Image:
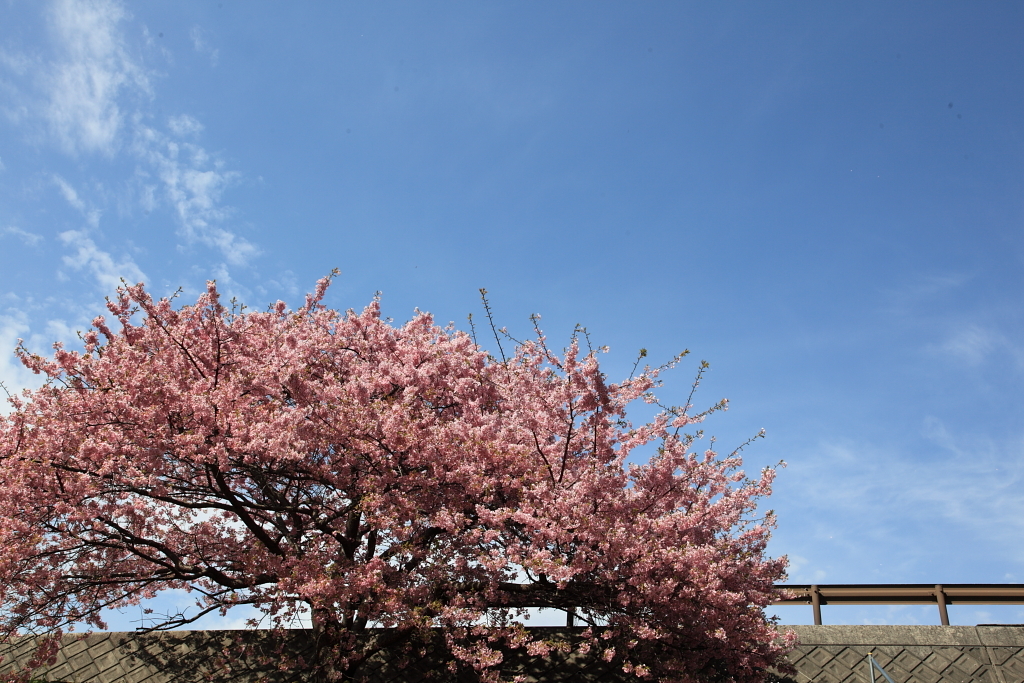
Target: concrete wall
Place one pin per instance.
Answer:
(827, 654)
(910, 654)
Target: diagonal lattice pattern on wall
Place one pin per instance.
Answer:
(827, 654)
(910, 654)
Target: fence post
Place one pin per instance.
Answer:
(940, 597)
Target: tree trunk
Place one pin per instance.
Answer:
(328, 633)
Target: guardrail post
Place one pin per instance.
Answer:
(816, 604)
(940, 597)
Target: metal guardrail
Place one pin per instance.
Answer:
(901, 594)
(817, 595)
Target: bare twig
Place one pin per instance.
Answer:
(490, 319)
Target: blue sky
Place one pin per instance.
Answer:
(822, 200)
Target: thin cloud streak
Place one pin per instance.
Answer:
(973, 344)
(30, 239)
(92, 216)
(192, 182)
(965, 485)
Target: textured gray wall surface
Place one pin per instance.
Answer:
(826, 654)
(910, 654)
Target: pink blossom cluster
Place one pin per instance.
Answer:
(389, 481)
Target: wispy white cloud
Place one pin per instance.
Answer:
(972, 344)
(107, 272)
(184, 126)
(31, 239)
(192, 182)
(967, 488)
(198, 37)
(91, 215)
(15, 62)
(969, 341)
(94, 69)
(94, 97)
(15, 104)
(285, 281)
(196, 34)
(934, 430)
(69, 193)
(922, 290)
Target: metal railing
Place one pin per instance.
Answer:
(817, 595)
(941, 595)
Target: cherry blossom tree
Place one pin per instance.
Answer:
(388, 482)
